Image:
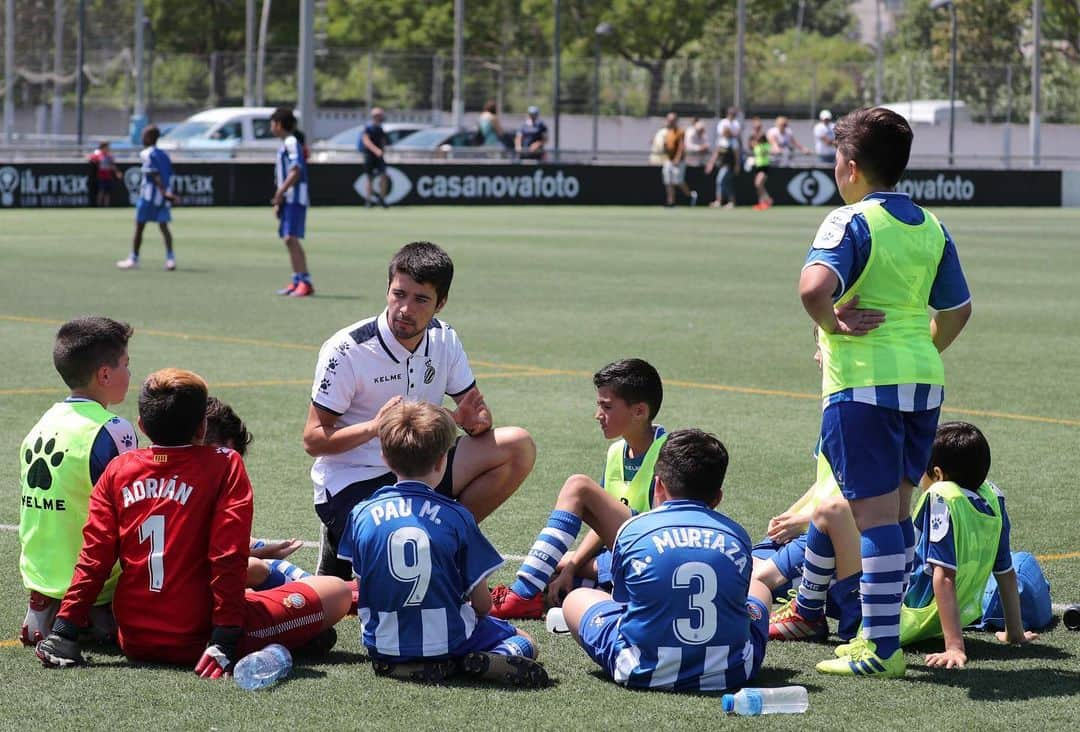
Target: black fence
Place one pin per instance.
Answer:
(52, 185)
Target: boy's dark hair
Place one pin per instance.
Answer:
(284, 116)
(414, 435)
(962, 453)
(150, 135)
(172, 405)
(84, 345)
(879, 140)
(692, 465)
(425, 263)
(224, 427)
(634, 381)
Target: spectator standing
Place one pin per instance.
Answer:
(532, 137)
(489, 129)
(697, 143)
(782, 141)
(105, 172)
(825, 138)
(674, 170)
(727, 158)
(373, 143)
(761, 149)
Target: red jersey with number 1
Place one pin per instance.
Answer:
(179, 520)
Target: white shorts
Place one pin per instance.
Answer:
(673, 173)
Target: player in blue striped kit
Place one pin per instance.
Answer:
(155, 198)
(290, 199)
(422, 566)
(684, 614)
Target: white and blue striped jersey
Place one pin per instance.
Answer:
(683, 572)
(843, 244)
(417, 555)
(155, 163)
(291, 155)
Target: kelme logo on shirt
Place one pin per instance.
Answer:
(42, 459)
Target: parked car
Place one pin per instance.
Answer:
(445, 142)
(346, 144)
(218, 132)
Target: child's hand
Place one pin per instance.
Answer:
(853, 320)
(277, 549)
(1028, 637)
(559, 586)
(949, 658)
(785, 527)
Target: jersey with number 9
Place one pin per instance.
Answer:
(179, 521)
(418, 556)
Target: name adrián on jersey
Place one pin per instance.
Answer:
(400, 507)
(683, 538)
(165, 490)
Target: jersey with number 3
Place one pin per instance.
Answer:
(418, 556)
(179, 521)
(683, 572)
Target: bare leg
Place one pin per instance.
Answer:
(297, 258)
(582, 496)
(257, 572)
(136, 243)
(488, 468)
(670, 192)
(167, 236)
(336, 597)
(833, 518)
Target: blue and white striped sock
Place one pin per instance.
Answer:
(908, 527)
(818, 568)
(559, 534)
(881, 586)
(281, 571)
(516, 645)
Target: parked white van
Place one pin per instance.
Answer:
(218, 132)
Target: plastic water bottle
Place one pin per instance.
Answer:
(263, 667)
(556, 623)
(752, 702)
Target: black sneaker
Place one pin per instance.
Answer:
(427, 672)
(510, 670)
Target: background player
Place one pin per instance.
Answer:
(628, 397)
(177, 515)
(403, 353)
(684, 614)
(290, 200)
(882, 376)
(105, 173)
(373, 144)
(61, 458)
(155, 197)
(423, 564)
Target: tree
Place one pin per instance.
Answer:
(648, 34)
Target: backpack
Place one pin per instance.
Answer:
(1035, 606)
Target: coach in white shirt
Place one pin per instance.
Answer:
(371, 365)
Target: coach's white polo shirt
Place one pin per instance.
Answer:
(360, 368)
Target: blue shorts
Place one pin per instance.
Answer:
(291, 223)
(601, 639)
(603, 568)
(147, 213)
(872, 449)
(788, 559)
(488, 633)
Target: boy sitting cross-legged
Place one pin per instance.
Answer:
(628, 397)
(684, 614)
(422, 565)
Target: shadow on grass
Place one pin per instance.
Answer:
(1004, 685)
(322, 296)
(767, 677)
(988, 648)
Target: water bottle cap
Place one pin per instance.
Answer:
(727, 703)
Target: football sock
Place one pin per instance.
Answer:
(561, 530)
(881, 585)
(909, 551)
(303, 277)
(134, 257)
(818, 568)
(515, 645)
(281, 571)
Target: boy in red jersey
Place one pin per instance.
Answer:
(178, 515)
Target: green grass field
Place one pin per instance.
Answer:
(543, 297)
